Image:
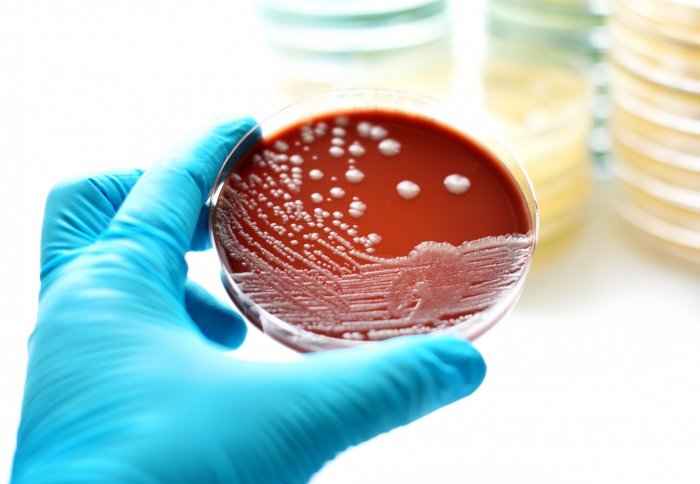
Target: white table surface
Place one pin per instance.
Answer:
(594, 378)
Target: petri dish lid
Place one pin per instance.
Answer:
(673, 20)
(654, 142)
(582, 7)
(652, 97)
(680, 197)
(660, 58)
(678, 241)
(338, 28)
(356, 10)
(576, 30)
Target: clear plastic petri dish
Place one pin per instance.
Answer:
(591, 7)
(572, 30)
(542, 108)
(652, 54)
(576, 30)
(360, 215)
(656, 102)
(675, 20)
(664, 211)
(651, 153)
(666, 172)
(665, 236)
(679, 205)
(655, 137)
(659, 197)
(316, 45)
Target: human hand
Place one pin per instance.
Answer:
(128, 376)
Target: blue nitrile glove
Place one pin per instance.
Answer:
(128, 379)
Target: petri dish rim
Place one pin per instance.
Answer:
(595, 8)
(666, 20)
(636, 83)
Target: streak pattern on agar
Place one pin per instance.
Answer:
(310, 269)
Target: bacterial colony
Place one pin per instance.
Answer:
(293, 219)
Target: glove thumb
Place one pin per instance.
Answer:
(349, 396)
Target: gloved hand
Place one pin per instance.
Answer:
(128, 377)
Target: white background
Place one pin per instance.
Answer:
(594, 378)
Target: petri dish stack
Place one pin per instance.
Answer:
(316, 45)
(542, 110)
(573, 29)
(655, 125)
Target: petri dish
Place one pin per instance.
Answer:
(592, 7)
(668, 215)
(360, 215)
(674, 62)
(543, 110)
(673, 20)
(574, 29)
(654, 136)
(538, 31)
(316, 45)
(659, 103)
(675, 168)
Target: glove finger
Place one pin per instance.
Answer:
(214, 318)
(77, 212)
(162, 211)
(201, 239)
(349, 396)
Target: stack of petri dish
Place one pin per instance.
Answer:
(655, 125)
(573, 29)
(316, 45)
(542, 110)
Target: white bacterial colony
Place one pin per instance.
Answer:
(356, 149)
(364, 128)
(377, 133)
(336, 151)
(337, 192)
(357, 209)
(374, 238)
(353, 175)
(407, 189)
(312, 266)
(457, 184)
(389, 147)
